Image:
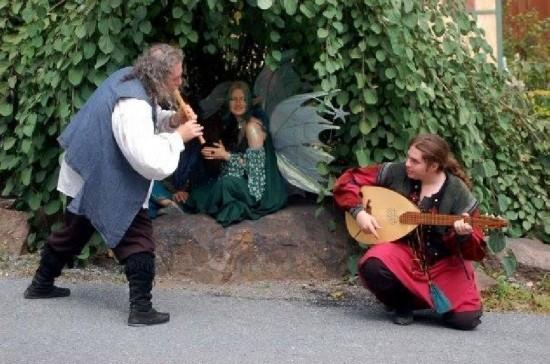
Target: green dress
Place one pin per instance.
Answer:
(249, 187)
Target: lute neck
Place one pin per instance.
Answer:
(422, 218)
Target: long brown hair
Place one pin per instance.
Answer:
(436, 150)
(243, 86)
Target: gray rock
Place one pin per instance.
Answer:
(289, 244)
(483, 280)
(13, 231)
(531, 254)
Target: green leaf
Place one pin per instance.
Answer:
(389, 154)
(362, 157)
(274, 36)
(75, 76)
(322, 33)
(89, 50)
(146, 27)
(52, 207)
(28, 129)
(370, 96)
(365, 127)
(463, 116)
(80, 31)
(105, 44)
(448, 47)
(503, 202)
(211, 49)
(85, 253)
(390, 73)
(322, 168)
(115, 24)
(277, 55)
(338, 26)
(8, 188)
(177, 12)
(103, 26)
(290, 6)
(360, 77)
(509, 263)
(9, 142)
(538, 202)
(511, 215)
(26, 146)
(307, 10)
(101, 60)
(6, 109)
(193, 36)
(26, 176)
(265, 4)
(497, 241)
(33, 200)
(376, 28)
(489, 168)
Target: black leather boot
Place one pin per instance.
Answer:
(51, 264)
(403, 316)
(140, 271)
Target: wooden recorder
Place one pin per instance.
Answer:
(182, 108)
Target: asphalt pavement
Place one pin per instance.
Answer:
(90, 327)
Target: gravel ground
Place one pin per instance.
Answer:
(325, 292)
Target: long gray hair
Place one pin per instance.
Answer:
(153, 68)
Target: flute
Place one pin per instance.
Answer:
(181, 105)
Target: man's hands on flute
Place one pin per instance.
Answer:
(188, 127)
(191, 129)
(184, 114)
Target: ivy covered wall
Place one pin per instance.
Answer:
(402, 67)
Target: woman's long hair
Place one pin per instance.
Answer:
(243, 86)
(436, 150)
(153, 68)
(231, 130)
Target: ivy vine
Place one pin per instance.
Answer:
(403, 67)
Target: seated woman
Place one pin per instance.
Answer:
(250, 185)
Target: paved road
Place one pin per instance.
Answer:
(90, 327)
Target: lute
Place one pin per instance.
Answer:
(398, 216)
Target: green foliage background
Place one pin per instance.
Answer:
(402, 66)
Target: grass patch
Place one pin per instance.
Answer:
(509, 295)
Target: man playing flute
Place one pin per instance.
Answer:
(112, 155)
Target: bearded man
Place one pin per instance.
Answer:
(112, 155)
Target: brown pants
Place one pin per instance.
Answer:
(72, 238)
